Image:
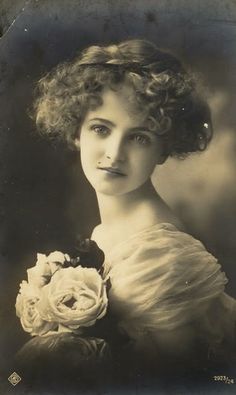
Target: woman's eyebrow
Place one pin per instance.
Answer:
(102, 120)
(142, 128)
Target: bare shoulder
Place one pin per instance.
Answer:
(100, 237)
(164, 214)
(95, 232)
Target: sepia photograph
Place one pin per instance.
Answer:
(118, 197)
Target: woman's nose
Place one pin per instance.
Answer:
(115, 150)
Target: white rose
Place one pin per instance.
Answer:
(56, 260)
(26, 309)
(40, 274)
(75, 297)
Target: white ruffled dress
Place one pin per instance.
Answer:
(164, 281)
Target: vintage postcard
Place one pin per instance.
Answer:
(118, 197)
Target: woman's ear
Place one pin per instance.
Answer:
(77, 143)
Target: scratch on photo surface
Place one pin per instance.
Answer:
(12, 23)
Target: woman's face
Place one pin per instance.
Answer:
(118, 152)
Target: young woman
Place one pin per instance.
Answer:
(126, 108)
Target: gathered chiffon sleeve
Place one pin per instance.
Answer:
(163, 279)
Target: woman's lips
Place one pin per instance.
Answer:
(112, 170)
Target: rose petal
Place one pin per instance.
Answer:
(85, 286)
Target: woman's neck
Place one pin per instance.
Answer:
(125, 206)
(123, 216)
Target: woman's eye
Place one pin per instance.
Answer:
(100, 130)
(140, 139)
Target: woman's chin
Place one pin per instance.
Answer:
(110, 188)
(109, 192)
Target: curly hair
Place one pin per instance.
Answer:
(160, 85)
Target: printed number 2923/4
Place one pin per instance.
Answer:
(224, 379)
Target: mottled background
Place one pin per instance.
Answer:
(45, 200)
